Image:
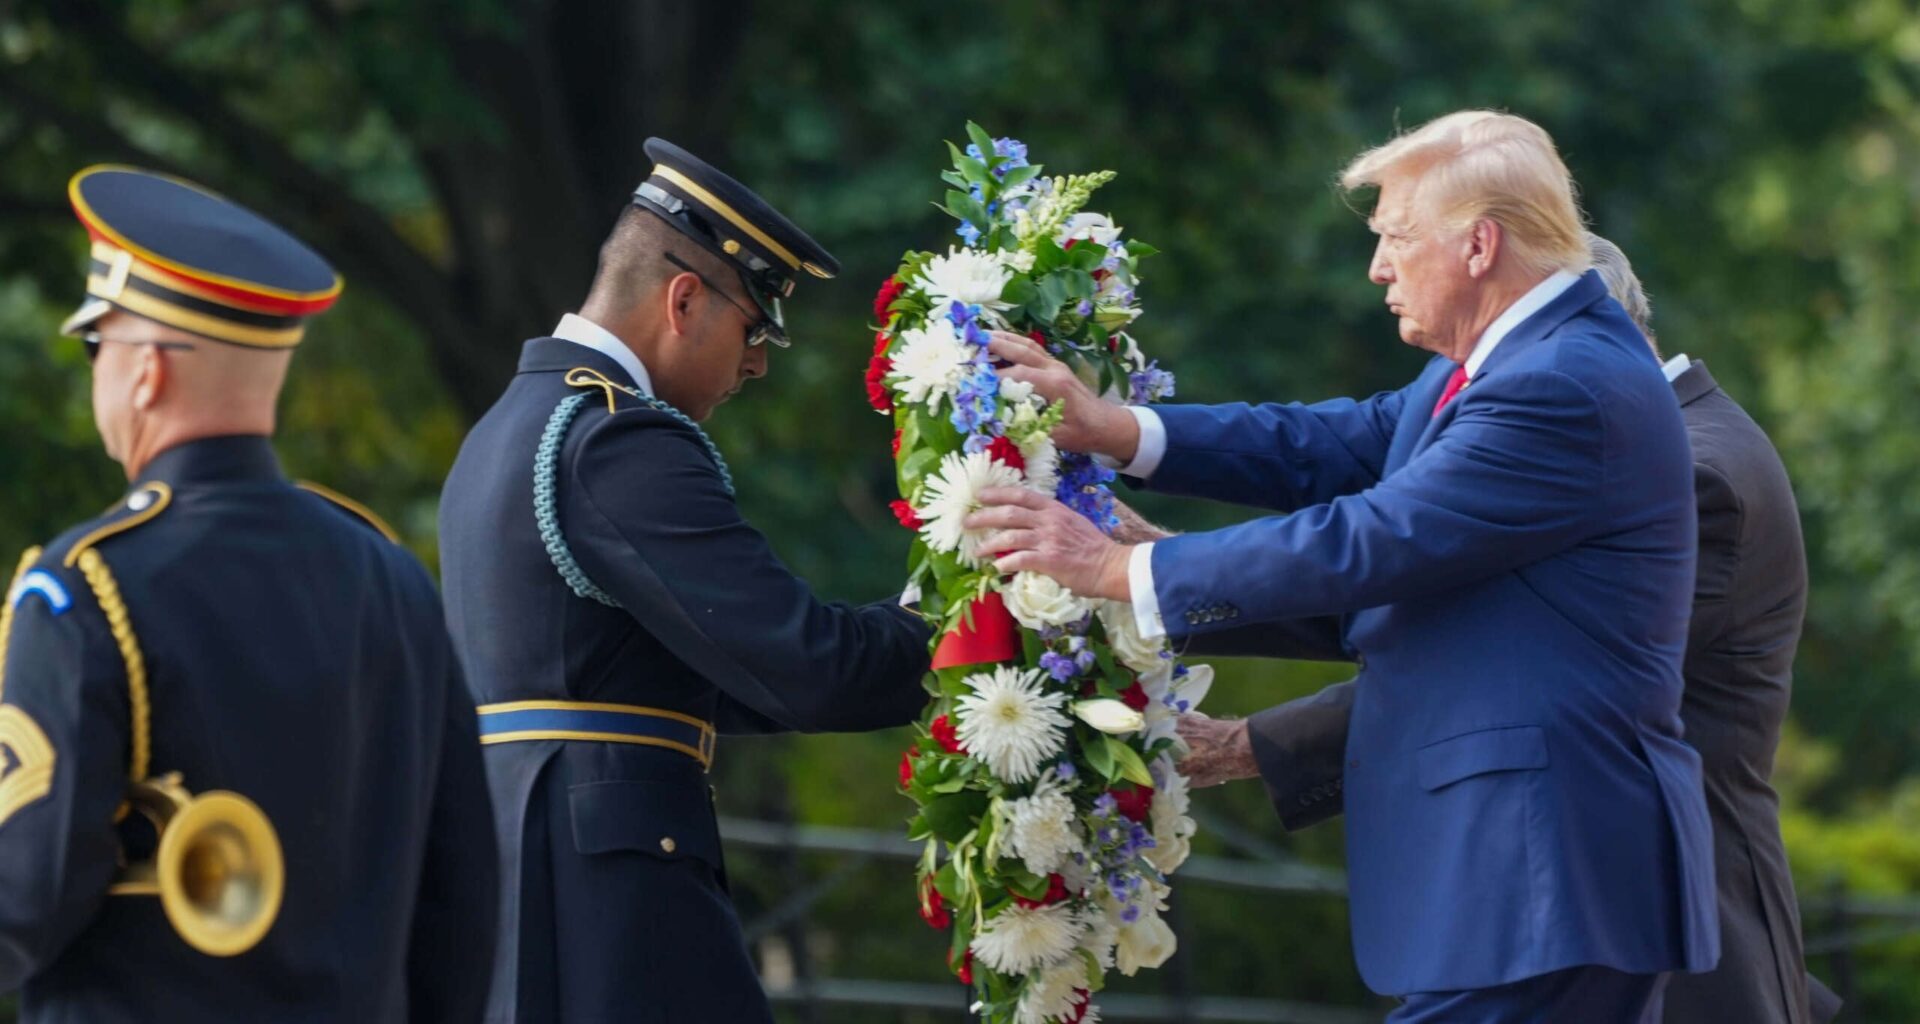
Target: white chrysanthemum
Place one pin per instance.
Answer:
(1020, 939)
(1037, 600)
(953, 494)
(1172, 829)
(1010, 723)
(1102, 931)
(930, 362)
(1123, 635)
(966, 276)
(1053, 994)
(1168, 697)
(1042, 829)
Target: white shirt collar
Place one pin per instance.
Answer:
(582, 331)
(1676, 366)
(1533, 302)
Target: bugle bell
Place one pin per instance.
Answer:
(218, 870)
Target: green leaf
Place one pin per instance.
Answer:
(1080, 284)
(980, 138)
(1020, 290)
(1020, 176)
(951, 817)
(1127, 760)
(915, 467)
(954, 178)
(1100, 758)
(1141, 250)
(1053, 295)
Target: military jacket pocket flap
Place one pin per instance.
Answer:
(1512, 748)
(668, 820)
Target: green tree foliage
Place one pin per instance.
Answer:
(459, 161)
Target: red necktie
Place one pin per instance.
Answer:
(1454, 384)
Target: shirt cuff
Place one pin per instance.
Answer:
(1152, 448)
(1146, 603)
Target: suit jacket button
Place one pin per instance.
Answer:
(667, 845)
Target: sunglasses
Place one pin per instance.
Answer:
(92, 340)
(762, 330)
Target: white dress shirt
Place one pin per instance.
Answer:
(1676, 366)
(582, 331)
(1153, 440)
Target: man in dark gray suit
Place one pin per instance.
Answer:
(1749, 597)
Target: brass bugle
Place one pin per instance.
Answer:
(218, 870)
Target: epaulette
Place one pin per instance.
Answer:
(357, 510)
(145, 503)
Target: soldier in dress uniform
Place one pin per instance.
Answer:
(239, 774)
(614, 612)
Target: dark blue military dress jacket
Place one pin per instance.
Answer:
(286, 651)
(613, 902)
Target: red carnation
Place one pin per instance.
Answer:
(1038, 338)
(933, 909)
(880, 343)
(877, 394)
(1056, 893)
(889, 291)
(1071, 242)
(896, 444)
(1083, 1001)
(1133, 801)
(906, 768)
(1004, 450)
(965, 973)
(946, 735)
(1134, 696)
(905, 513)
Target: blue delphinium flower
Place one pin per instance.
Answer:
(1149, 385)
(1083, 487)
(968, 233)
(1013, 149)
(1059, 666)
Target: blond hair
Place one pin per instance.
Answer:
(1483, 164)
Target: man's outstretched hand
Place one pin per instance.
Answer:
(1035, 532)
(1092, 424)
(1218, 750)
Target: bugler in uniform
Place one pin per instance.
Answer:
(249, 663)
(614, 612)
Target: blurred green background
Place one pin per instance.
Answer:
(459, 162)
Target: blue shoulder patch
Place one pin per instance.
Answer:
(44, 583)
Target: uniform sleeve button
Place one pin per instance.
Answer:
(667, 844)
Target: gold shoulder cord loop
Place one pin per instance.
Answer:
(6, 612)
(587, 377)
(106, 591)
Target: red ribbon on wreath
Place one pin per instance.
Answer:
(994, 636)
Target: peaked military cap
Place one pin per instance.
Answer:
(728, 219)
(175, 253)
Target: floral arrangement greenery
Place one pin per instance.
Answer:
(1043, 771)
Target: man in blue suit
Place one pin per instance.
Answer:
(1506, 546)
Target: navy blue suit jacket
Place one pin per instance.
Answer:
(1514, 576)
(613, 894)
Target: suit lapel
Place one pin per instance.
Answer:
(1693, 384)
(1416, 417)
(1529, 332)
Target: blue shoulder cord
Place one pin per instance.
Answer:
(546, 511)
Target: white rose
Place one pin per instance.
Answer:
(1109, 716)
(1172, 829)
(1147, 942)
(1037, 601)
(1097, 228)
(1123, 635)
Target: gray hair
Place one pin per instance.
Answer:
(1621, 283)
